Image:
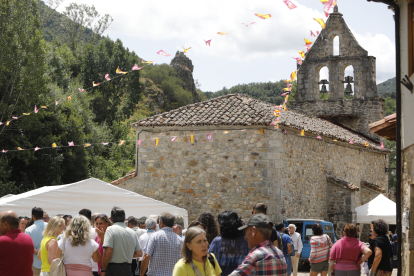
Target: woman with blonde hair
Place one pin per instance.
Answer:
(196, 261)
(78, 248)
(49, 244)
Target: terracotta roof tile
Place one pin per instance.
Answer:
(125, 177)
(342, 183)
(241, 110)
(372, 186)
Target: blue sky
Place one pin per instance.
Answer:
(261, 52)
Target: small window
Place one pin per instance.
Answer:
(328, 227)
(308, 232)
(335, 45)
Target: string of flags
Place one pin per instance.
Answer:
(80, 90)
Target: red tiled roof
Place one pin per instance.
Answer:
(342, 183)
(125, 177)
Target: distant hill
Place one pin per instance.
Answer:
(386, 87)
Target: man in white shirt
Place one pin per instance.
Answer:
(133, 224)
(297, 244)
(151, 225)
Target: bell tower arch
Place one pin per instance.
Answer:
(365, 107)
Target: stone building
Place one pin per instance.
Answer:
(357, 113)
(246, 161)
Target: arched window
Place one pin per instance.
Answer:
(335, 44)
(349, 72)
(323, 75)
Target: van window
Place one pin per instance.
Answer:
(308, 232)
(328, 227)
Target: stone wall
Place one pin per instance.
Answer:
(407, 204)
(355, 114)
(184, 70)
(234, 171)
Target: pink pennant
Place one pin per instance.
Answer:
(57, 102)
(299, 60)
(104, 144)
(107, 77)
(289, 85)
(319, 137)
(289, 4)
(284, 94)
(173, 139)
(81, 90)
(312, 34)
(13, 117)
(36, 149)
(139, 143)
(285, 131)
(247, 25)
(209, 136)
(36, 110)
(4, 151)
(317, 32)
(307, 47)
(351, 142)
(71, 144)
(1, 123)
(329, 7)
(135, 67)
(162, 53)
(208, 42)
(382, 145)
(243, 130)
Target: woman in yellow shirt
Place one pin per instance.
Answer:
(195, 261)
(48, 246)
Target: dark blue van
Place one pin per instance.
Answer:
(304, 228)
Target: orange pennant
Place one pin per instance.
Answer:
(302, 132)
(192, 140)
(157, 141)
(262, 130)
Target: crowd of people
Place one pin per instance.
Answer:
(96, 244)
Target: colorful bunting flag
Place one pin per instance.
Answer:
(302, 54)
(185, 50)
(302, 132)
(226, 131)
(307, 47)
(284, 94)
(44, 107)
(8, 123)
(351, 142)
(118, 71)
(192, 140)
(321, 22)
(209, 136)
(262, 131)
(71, 144)
(95, 84)
(382, 145)
(105, 144)
(81, 90)
(139, 143)
(121, 142)
(143, 61)
(289, 4)
(162, 53)
(208, 42)
(329, 7)
(26, 114)
(36, 149)
(366, 144)
(299, 60)
(54, 145)
(319, 137)
(87, 145)
(57, 102)
(287, 89)
(317, 32)
(15, 118)
(263, 16)
(293, 75)
(4, 151)
(107, 77)
(157, 141)
(289, 85)
(312, 34)
(69, 98)
(335, 140)
(243, 130)
(135, 67)
(285, 131)
(221, 33)
(247, 25)
(173, 139)
(19, 148)
(307, 42)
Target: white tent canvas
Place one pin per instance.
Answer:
(93, 194)
(378, 208)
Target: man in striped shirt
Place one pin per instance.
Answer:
(264, 258)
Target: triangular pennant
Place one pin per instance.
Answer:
(157, 141)
(139, 143)
(302, 132)
(192, 140)
(173, 139)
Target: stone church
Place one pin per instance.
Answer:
(223, 153)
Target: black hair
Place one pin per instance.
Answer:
(317, 229)
(212, 227)
(117, 214)
(260, 208)
(87, 213)
(133, 221)
(229, 221)
(380, 227)
(279, 226)
(167, 219)
(37, 212)
(286, 231)
(196, 223)
(12, 220)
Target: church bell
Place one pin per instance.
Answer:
(348, 90)
(323, 90)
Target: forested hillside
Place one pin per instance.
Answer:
(45, 57)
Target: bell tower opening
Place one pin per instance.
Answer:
(348, 81)
(323, 77)
(335, 44)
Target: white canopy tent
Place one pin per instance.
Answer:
(93, 194)
(378, 208)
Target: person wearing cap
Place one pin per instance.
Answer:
(394, 246)
(275, 238)
(264, 258)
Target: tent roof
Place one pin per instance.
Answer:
(378, 208)
(93, 194)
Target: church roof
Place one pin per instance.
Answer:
(242, 110)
